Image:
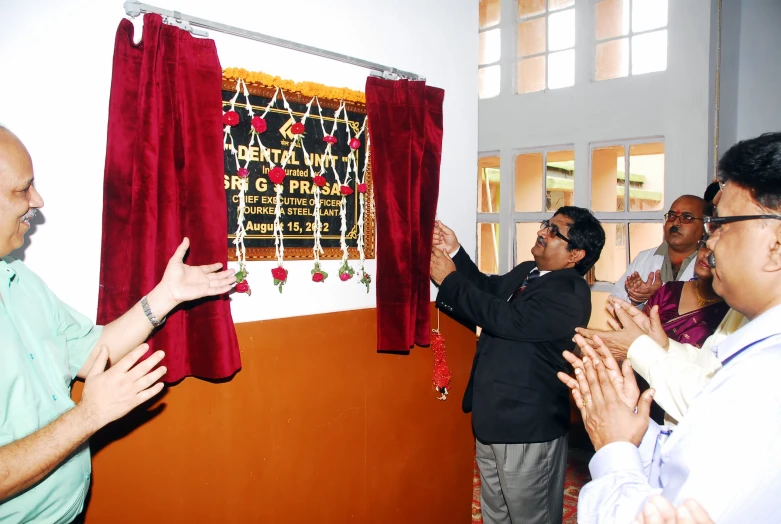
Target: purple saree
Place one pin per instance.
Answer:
(692, 327)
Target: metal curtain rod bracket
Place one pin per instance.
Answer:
(134, 8)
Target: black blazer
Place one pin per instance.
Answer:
(513, 392)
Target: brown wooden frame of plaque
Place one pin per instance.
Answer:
(301, 253)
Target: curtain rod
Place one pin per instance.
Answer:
(185, 22)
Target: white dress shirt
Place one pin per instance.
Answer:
(648, 261)
(725, 453)
(679, 373)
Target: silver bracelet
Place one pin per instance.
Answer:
(148, 312)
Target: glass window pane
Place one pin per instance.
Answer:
(612, 262)
(525, 237)
(648, 14)
(488, 184)
(599, 314)
(559, 179)
(488, 248)
(490, 47)
(649, 52)
(530, 8)
(561, 30)
(642, 236)
(489, 13)
(488, 81)
(531, 75)
(612, 59)
(612, 18)
(531, 37)
(555, 5)
(528, 183)
(607, 191)
(646, 177)
(561, 69)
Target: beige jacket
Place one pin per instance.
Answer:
(682, 371)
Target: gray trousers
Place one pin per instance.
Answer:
(522, 483)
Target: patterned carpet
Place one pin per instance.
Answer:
(577, 475)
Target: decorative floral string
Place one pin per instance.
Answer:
(277, 175)
(318, 181)
(258, 124)
(346, 272)
(360, 184)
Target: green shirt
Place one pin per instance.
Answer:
(44, 344)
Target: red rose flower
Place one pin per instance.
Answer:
(231, 118)
(330, 139)
(258, 124)
(344, 277)
(319, 181)
(297, 128)
(243, 172)
(362, 188)
(276, 175)
(279, 273)
(242, 287)
(346, 190)
(355, 143)
(318, 277)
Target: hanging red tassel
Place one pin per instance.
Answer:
(442, 374)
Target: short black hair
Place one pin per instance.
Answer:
(711, 191)
(586, 233)
(755, 165)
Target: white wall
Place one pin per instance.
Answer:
(53, 53)
(759, 102)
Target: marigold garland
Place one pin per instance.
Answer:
(307, 89)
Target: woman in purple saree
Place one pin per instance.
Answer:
(690, 311)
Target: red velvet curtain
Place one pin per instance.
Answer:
(162, 182)
(405, 123)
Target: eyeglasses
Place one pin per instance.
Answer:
(702, 243)
(686, 218)
(711, 224)
(553, 230)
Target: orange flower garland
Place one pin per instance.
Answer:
(308, 89)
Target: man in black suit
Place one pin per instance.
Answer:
(520, 412)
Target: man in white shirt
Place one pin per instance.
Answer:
(725, 453)
(672, 259)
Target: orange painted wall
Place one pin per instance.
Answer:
(316, 427)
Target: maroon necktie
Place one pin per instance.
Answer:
(529, 278)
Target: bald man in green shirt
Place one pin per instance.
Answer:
(44, 345)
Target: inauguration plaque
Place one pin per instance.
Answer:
(297, 206)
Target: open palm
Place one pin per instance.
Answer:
(622, 377)
(185, 282)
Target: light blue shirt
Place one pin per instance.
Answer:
(725, 453)
(44, 343)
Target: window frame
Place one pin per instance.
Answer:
(626, 216)
(629, 36)
(517, 59)
(498, 62)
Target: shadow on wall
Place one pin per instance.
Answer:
(37, 219)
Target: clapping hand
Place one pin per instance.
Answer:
(640, 291)
(111, 393)
(607, 399)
